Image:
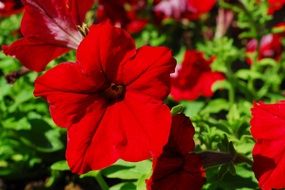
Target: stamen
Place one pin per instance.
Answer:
(83, 29)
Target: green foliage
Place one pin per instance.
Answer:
(136, 173)
(28, 137)
(224, 52)
(252, 17)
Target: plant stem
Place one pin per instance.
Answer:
(242, 159)
(102, 183)
(211, 158)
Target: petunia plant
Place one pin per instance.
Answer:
(142, 95)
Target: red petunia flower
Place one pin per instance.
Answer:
(111, 100)
(123, 13)
(9, 7)
(195, 77)
(189, 9)
(270, 47)
(275, 5)
(268, 130)
(177, 168)
(50, 28)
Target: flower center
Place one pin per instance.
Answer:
(115, 92)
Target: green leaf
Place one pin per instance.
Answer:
(178, 109)
(127, 171)
(219, 85)
(141, 183)
(124, 186)
(60, 166)
(90, 174)
(192, 108)
(215, 106)
(246, 74)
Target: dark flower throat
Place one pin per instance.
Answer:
(115, 92)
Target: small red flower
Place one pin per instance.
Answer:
(190, 9)
(275, 5)
(198, 7)
(270, 47)
(9, 7)
(268, 130)
(50, 28)
(123, 13)
(177, 168)
(111, 100)
(195, 77)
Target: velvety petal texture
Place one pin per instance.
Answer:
(194, 78)
(49, 28)
(177, 168)
(9, 7)
(105, 43)
(111, 100)
(268, 130)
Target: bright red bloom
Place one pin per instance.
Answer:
(268, 130)
(190, 9)
(270, 47)
(111, 100)
(123, 13)
(275, 5)
(195, 77)
(9, 7)
(177, 168)
(50, 28)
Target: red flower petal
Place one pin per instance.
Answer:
(268, 129)
(51, 22)
(103, 49)
(93, 142)
(78, 9)
(275, 5)
(176, 168)
(9, 7)
(182, 133)
(69, 93)
(132, 138)
(147, 126)
(42, 53)
(201, 6)
(123, 13)
(193, 179)
(46, 25)
(194, 78)
(148, 71)
(136, 26)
